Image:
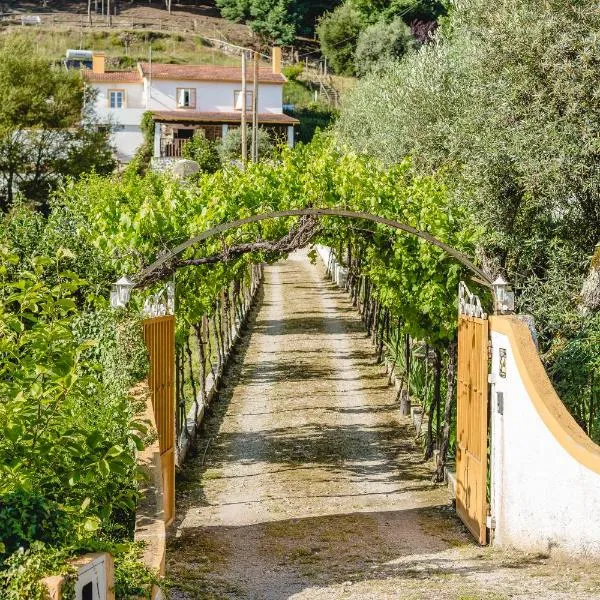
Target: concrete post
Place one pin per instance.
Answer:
(157, 140)
(290, 136)
(224, 129)
(405, 403)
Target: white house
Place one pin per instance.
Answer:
(181, 99)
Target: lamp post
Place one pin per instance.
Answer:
(504, 297)
(121, 292)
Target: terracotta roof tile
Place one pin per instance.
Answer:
(192, 116)
(207, 73)
(109, 76)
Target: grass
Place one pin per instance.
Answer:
(124, 48)
(297, 93)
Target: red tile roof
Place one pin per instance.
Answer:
(192, 116)
(207, 73)
(110, 76)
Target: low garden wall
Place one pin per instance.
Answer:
(149, 518)
(545, 472)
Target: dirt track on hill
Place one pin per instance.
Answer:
(307, 484)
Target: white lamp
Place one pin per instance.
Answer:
(504, 297)
(121, 292)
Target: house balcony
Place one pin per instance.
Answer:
(173, 128)
(172, 147)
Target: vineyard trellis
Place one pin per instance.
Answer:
(166, 264)
(217, 340)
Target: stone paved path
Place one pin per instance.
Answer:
(307, 484)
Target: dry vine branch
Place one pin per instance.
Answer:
(297, 237)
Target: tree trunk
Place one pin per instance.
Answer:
(438, 476)
(188, 350)
(199, 329)
(180, 394)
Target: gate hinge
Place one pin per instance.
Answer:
(491, 378)
(490, 522)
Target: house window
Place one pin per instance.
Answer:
(116, 98)
(237, 100)
(186, 98)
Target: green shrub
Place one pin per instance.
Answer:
(230, 147)
(26, 517)
(292, 72)
(144, 153)
(21, 574)
(64, 435)
(313, 118)
(338, 33)
(297, 94)
(203, 151)
(408, 10)
(381, 42)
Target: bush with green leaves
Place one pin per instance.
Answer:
(24, 569)
(272, 21)
(47, 127)
(277, 21)
(313, 118)
(292, 72)
(203, 151)
(230, 147)
(408, 10)
(338, 33)
(515, 143)
(144, 153)
(64, 435)
(68, 431)
(381, 42)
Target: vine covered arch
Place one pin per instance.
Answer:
(165, 264)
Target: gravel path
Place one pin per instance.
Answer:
(307, 484)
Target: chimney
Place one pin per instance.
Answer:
(276, 60)
(98, 65)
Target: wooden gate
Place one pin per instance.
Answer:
(159, 334)
(472, 425)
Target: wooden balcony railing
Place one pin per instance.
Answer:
(171, 148)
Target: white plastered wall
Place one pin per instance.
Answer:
(211, 96)
(543, 497)
(126, 135)
(214, 96)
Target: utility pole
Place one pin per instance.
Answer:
(108, 13)
(244, 116)
(149, 95)
(255, 111)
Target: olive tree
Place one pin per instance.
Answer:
(381, 42)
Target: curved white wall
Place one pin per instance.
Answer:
(545, 471)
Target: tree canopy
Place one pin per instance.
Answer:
(504, 104)
(45, 133)
(276, 21)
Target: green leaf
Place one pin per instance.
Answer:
(115, 451)
(104, 467)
